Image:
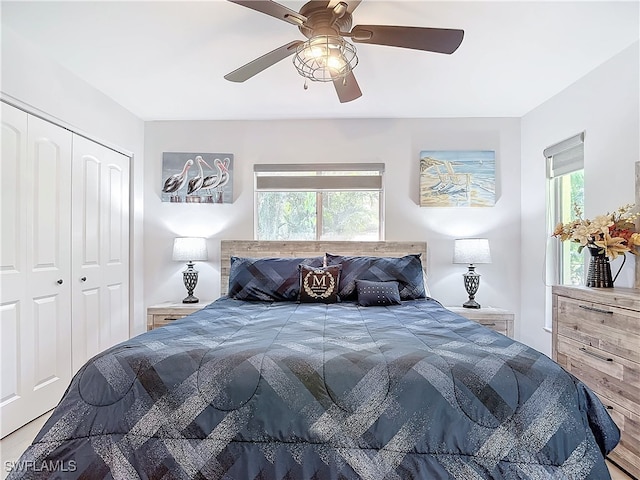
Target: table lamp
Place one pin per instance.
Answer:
(471, 251)
(190, 249)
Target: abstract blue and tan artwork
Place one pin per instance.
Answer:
(197, 177)
(457, 178)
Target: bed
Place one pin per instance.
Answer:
(355, 374)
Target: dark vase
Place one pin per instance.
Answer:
(599, 273)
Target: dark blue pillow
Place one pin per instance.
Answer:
(377, 293)
(267, 279)
(407, 271)
(319, 284)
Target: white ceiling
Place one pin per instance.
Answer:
(166, 60)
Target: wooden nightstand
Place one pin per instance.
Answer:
(165, 313)
(496, 319)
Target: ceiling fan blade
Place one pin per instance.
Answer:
(347, 88)
(274, 9)
(439, 40)
(254, 67)
(351, 4)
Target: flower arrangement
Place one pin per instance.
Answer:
(614, 233)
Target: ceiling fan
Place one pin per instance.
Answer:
(326, 55)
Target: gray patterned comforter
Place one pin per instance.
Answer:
(283, 390)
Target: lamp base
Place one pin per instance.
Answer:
(471, 303)
(471, 284)
(190, 278)
(190, 299)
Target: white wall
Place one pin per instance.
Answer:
(395, 142)
(604, 103)
(44, 86)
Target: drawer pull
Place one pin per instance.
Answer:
(488, 324)
(599, 357)
(594, 309)
(609, 407)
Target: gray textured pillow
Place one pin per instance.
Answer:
(377, 293)
(407, 271)
(267, 279)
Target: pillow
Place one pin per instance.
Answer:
(407, 271)
(319, 284)
(267, 279)
(377, 293)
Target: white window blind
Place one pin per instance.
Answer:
(566, 156)
(318, 177)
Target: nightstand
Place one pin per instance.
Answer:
(496, 319)
(164, 313)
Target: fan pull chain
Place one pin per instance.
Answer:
(306, 87)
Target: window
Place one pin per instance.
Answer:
(319, 201)
(565, 198)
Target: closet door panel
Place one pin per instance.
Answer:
(35, 311)
(9, 353)
(13, 261)
(12, 206)
(90, 185)
(118, 305)
(86, 307)
(117, 250)
(46, 352)
(12, 255)
(101, 257)
(47, 345)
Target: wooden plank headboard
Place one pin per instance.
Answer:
(274, 248)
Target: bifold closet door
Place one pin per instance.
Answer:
(100, 256)
(35, 309)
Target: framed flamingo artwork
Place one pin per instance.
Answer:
(457, 178)
(197, 177)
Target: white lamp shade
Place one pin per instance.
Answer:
(190, 249)
(471, 250)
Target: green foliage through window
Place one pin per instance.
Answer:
(571, 195)
(343, 215)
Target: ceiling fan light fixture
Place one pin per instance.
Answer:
(324, 58)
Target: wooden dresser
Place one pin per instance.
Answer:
(596, 337)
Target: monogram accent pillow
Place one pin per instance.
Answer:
(319, 284)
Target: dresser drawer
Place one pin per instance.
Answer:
(157, 321)
(605, 327)
(165, 313)
(500, 326)
(627, 452)
(607, 374)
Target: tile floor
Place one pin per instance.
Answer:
(12, 446)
